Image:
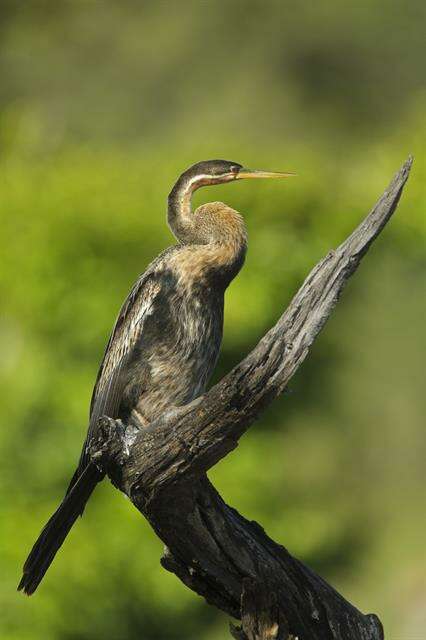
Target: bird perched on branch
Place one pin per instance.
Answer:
(166, 339)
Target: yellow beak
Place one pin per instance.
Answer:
(255, 173)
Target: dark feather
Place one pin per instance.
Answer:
(126, 333)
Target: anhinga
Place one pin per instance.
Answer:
(166, 339)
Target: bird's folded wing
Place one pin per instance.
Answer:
(126, 333)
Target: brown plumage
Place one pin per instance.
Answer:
(166, 339)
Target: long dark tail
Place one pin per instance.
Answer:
(57, 529)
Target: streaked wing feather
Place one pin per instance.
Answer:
(126, 332)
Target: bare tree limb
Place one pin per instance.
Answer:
(210, 547)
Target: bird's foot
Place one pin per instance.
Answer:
(137, 420)
(173, 414)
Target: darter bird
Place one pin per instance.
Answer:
(166, 339)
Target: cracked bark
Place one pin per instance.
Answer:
(215, 551)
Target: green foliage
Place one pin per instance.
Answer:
(335, 469)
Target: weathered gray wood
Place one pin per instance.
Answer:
(210, 546)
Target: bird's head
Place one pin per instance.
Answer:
(209, 172)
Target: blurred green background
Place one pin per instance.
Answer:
(102, 105)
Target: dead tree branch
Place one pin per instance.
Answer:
(210, 546)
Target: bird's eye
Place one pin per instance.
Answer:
(234, 168)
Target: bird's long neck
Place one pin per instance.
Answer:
(179, 213)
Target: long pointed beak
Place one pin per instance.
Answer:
(256, 173)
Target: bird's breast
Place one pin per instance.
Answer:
(178, 348)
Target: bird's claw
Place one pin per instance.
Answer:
(172, 414)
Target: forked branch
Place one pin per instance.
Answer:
(210, 547)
